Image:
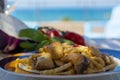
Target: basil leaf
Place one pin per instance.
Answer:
(33, 34)
(27, 45)
(43, 43)
(63, 40)
(68, 41)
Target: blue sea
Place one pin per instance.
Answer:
(74, 14)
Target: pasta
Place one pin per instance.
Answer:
(51, 71)
(65, 59)
(91, 70)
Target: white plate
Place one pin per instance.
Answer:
(112, 75)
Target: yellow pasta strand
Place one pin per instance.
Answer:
(50, 72)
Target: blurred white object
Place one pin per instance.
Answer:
(11, 25)
(112, 29)
(92, 26)
(10, 8)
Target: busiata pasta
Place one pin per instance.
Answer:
(65, 59)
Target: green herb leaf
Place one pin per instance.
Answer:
(63, 40)
(33, 34)
(43, 43)
(27, 45)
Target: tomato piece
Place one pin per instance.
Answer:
(53, 33)
(42, 31)
(76, 38)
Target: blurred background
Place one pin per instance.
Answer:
(93, 18)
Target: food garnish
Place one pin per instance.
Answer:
(32, 39)
(45, 35)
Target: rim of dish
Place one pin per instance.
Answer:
(68, 76)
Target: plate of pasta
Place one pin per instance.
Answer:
(64, 61)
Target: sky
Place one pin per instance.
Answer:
(65, 3)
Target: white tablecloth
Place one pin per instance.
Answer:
(113, 44)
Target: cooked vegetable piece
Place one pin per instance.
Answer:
(44, 62)
(55, 49)
(79, 61)
(94, 51)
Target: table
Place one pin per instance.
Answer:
(113, 44)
